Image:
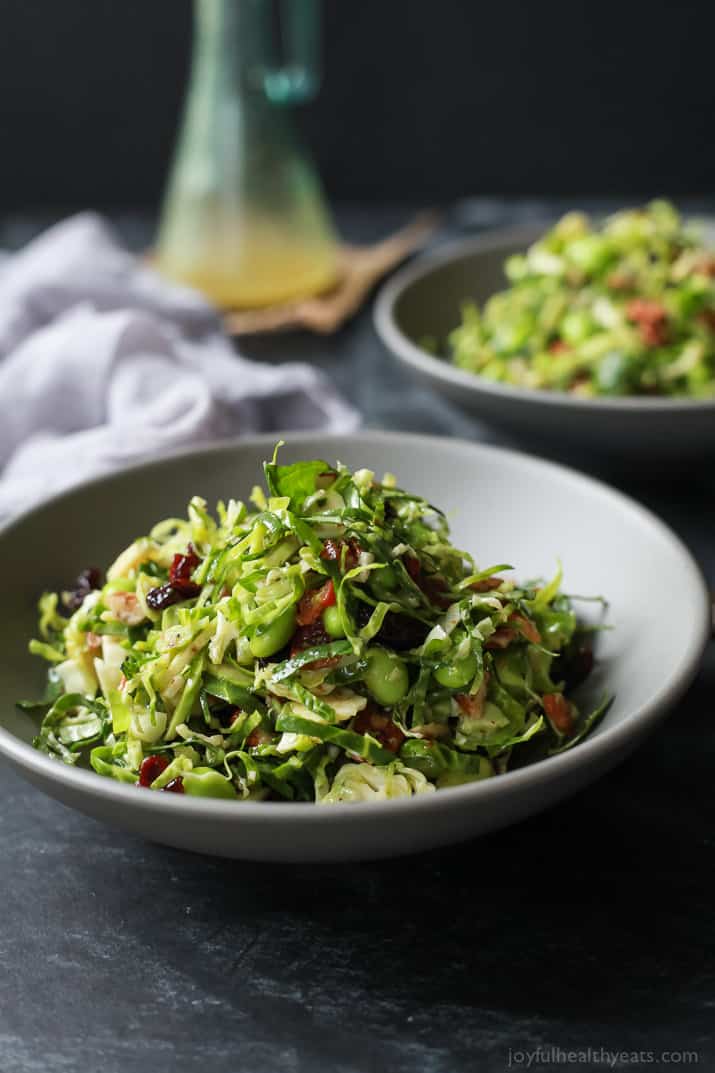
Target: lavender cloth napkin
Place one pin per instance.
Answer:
(103, 363)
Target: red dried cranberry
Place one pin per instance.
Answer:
(179, 586)
(89, 580)
(151, 768)
(163, 596)
(401, 632)
(412, 566)
(181, 570)
(308, 637)
(333, 552)
(380, 727)
(176, 786)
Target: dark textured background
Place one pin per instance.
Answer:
(422, 99)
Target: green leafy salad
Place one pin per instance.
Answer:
(327, 644)
(627, 308)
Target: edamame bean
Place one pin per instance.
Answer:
(386, 676)
(383, 581)
(331, 622)
(270, 637)
(458, 674)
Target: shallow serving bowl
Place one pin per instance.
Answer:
(423, 301)
(503, 506)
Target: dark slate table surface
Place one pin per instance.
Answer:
(588, 929)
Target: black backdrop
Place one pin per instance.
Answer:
(422, 99)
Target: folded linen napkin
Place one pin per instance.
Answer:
(104, 363)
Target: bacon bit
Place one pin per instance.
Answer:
(176, 786)
(93, 641)
(526, 628)
(501, 638)
(151, 768)
(234, 716)
(381, 728)
(558, 711)
(619, 281)
(651, 318)
(312, 604)
(473, 704)
(558, 346)
(125, 607)
(486, 584)
(430, 731)
(705, 265)
(258, 736)
(333, 552)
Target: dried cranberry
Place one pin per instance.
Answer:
(163, 596)
(401, 632)
(151, 768)
(181, 570)
(380, 727)
(87, 582)
(176, 786)
(179, 586)
(333, 552)
(308, 637)
(412, 566)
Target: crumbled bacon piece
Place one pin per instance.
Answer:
(558, 710)
(486, 584)
(258, 736)
(558, 346)
(501, 638)
(472, 704)
(651, 318)
(526, 628)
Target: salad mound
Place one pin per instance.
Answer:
(627, 308)
(329, 644)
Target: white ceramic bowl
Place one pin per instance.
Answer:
(424, 299)
(504, 507)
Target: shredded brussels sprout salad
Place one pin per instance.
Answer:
(625, 308)
(328, 644)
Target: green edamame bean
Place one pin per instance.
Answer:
(205, 782)
(270, 637)
(458, 674)
(386, 676)
(383, 581)
(331, 622)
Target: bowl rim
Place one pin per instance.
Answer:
(609, 741)
(436, 368)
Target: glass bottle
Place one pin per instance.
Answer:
(244, 218)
